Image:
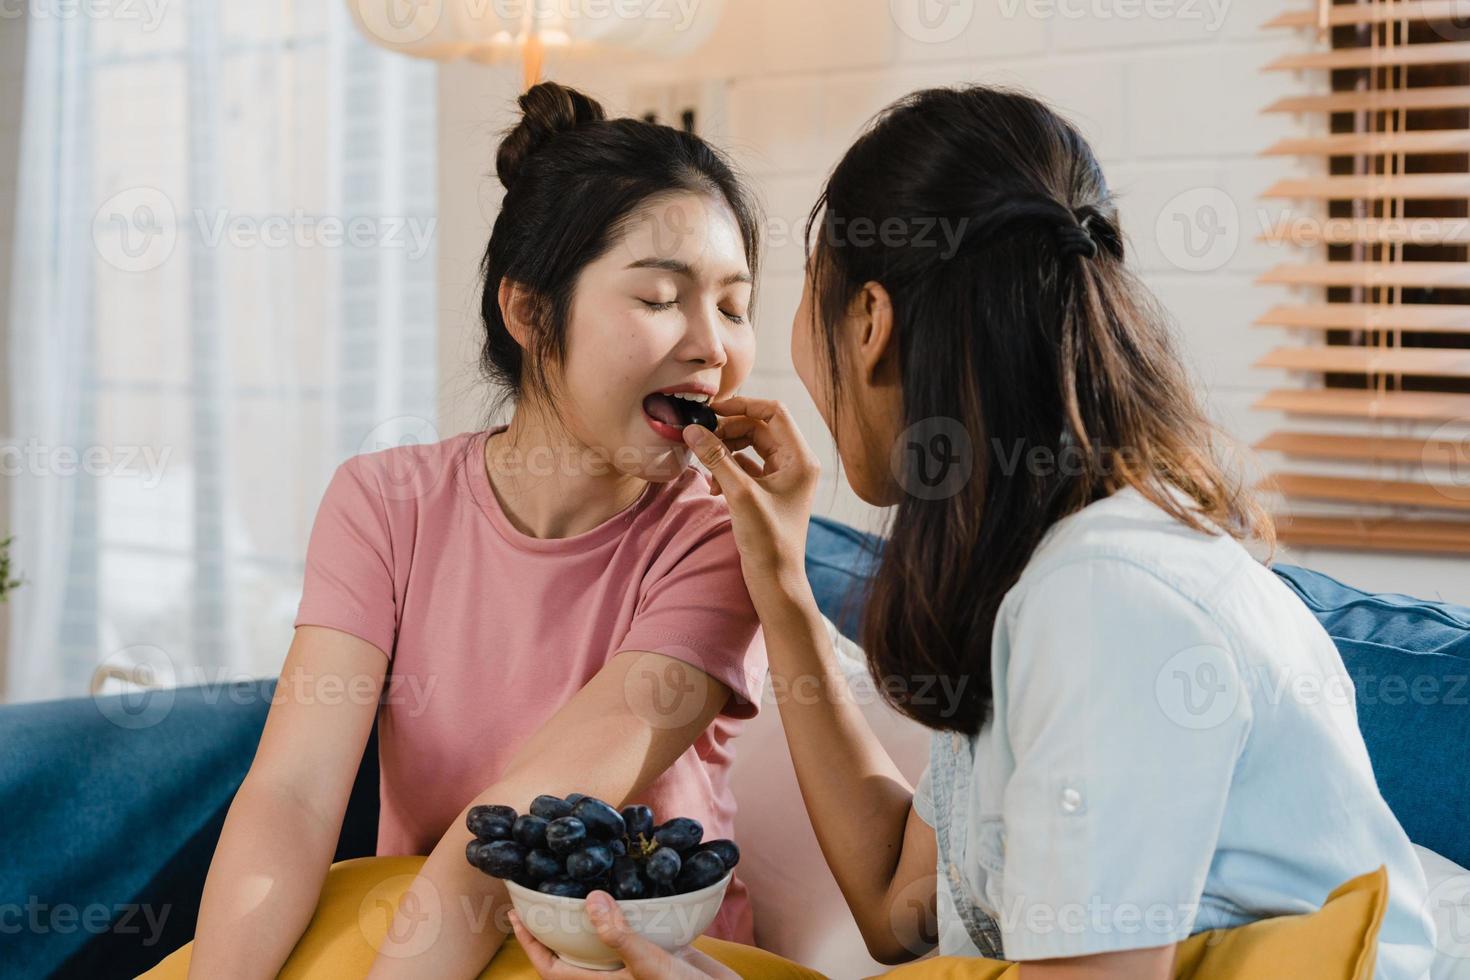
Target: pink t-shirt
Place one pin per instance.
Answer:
(489, 631)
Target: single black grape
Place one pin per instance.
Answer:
(472, 849)
(501, 858)
(727, 850)
(490, 821)
(590, 862)
(541, 864)
(619, 846)
(565, 835)
(601, 820)
(697, 413)
(529, 830)
(627, 883)
(550, 808)
(680, 833)
(574, 798)
(639, 821)
(700, 871)
(564, 886)
(663, 865)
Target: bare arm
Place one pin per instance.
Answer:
(281, 832)
(881, 852)
(625, 727)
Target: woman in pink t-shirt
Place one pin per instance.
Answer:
(551, 606)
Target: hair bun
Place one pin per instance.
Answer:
(547, 109)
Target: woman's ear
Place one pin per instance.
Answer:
(518, 310)
(877, 352)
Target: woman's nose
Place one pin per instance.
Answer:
(704, 340)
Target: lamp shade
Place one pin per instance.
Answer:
(498, 30)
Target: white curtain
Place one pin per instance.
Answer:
(223, 286)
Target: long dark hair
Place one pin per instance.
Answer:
(1019, 328)
(572, 178)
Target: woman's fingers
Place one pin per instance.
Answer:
(750, 466)
(551, 967)
(767, 410)
(765, 422)
(764, 409)
(717, 458)
(643, 959)
(543, 959)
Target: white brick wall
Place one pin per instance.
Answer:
(1169, 93)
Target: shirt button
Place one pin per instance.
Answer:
(1071, 800)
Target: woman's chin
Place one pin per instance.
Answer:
(666, 464)
(875, 493)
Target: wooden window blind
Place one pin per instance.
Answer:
(1373, 452)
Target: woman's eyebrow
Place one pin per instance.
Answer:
(684, 269)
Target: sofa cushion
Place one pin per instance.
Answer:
(1386, 619)
(1337, 942)
(839, 562)
(352, 921)
(1410, 664)
(113, 806)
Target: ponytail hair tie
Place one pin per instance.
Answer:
(1075, 238)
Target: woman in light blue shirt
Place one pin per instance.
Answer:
(1139, 732)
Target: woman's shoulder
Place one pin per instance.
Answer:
(1131, 565)
(684, 514)
(1136, 539)
(405, 471)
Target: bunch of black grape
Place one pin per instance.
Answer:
(574, 846)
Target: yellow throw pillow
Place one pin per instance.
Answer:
(351, 921)
(1339, 941)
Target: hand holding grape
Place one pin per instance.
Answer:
(770, 500)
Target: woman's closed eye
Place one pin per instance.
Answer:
(658, 307)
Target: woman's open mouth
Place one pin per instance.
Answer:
(667, 414)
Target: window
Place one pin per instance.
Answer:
(1377, 455)
(225, 286)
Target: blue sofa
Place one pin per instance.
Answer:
(112, 806)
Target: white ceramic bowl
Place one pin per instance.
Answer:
(562, 924)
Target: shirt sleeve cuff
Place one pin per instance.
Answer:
(380, 635)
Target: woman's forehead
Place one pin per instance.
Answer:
(685, 230)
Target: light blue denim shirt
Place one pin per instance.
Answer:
(1174, 747)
